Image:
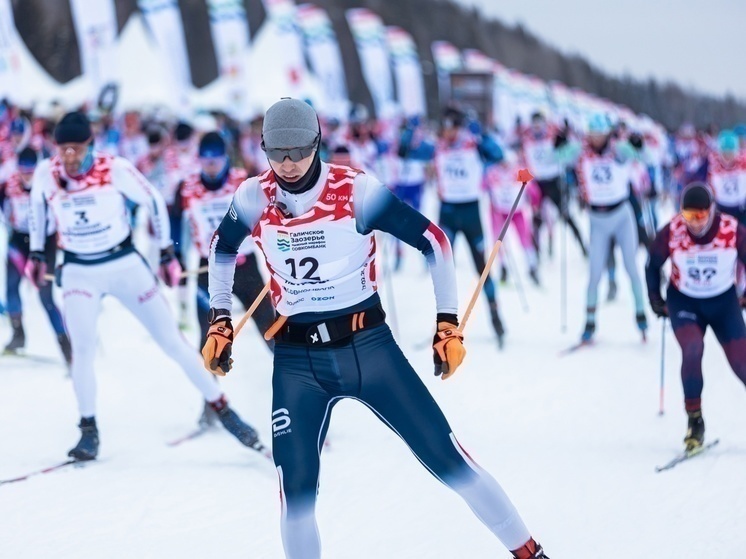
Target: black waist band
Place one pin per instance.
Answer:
(606, 209)
(122, 249)
(333, 329)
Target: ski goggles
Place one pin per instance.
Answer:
(695, 215)
(295, 154)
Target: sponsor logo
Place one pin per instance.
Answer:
(281, 422)
(283, 241)
(232, 213)
(327, 298)
(149, 294)
(291, 303)
(305, 240)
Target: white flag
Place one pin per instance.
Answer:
(370, 38)
(322, 49)
(410, 87)
(163, 18)
(230, 35)
(96, 29)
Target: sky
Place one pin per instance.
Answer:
(696, 43)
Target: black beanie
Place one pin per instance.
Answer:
(212, 145)
(73, 128)
(183, 131)
(27, 157)
(696, 196)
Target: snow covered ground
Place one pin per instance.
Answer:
(573, 440)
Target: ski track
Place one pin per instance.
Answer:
(574, 441)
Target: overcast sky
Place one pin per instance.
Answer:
(698, 43)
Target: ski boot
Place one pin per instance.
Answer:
(497, 324)
(236, 426)
(534, 275)
(87, 447)
(642, 324)
(503, 275)
(695, 432)
(18, 340)
(590, 330)
(530, 550)
(66, 348)
(611, 295)
(209, 417)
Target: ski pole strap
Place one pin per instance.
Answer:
(332, 330)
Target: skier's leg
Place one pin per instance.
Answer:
(689, 329)
(45, 292)
(14, 271)
(301, 410)
(472, 228)
(726, 320)
(395, 393)
(626, 238)
(551, 189)
(82, 290)
(601, 229)
(136, 287)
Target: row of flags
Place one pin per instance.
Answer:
(295, 53)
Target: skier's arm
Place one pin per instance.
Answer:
(134, 186)
(741, 243)
(41, 184)
(659, 253)
(489, 150)
(177, 210)
(423, 151)
(243, 214)
(376, 208)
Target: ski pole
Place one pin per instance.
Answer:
(663, 366)
(251, 309)
(524, 177)
(564, 210)
(518, 281)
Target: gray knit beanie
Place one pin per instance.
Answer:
(290, 123)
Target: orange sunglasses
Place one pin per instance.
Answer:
(695, 215)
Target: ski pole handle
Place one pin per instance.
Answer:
(524, 177)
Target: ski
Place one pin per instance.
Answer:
(201, 430)
(573, 348)
(686, 455)
(31, 357)
(198, 432)
(56, 467)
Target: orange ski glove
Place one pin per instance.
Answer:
(217, 349)
(448, 349)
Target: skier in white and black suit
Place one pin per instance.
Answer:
(86, 192)
(315, 225)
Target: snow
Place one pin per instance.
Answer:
(573, 440)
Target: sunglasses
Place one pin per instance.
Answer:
(695, 215)
(295, 154)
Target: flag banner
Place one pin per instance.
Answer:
(231, 36)
(370, 39)
(410, 86)
(96, 29)
(163, 19)
(447, 58)
(286, 44)
(325, 59)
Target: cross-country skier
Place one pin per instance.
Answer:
(314, 223)
(15, 196)
(85, 191)
(604, 168)
(726, 174)
(539, 143)
(459, 156)
(204, 199)
(704, 246)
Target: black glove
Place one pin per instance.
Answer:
(560, 140)
(659, 307)
(36, 268)
(170, 267)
